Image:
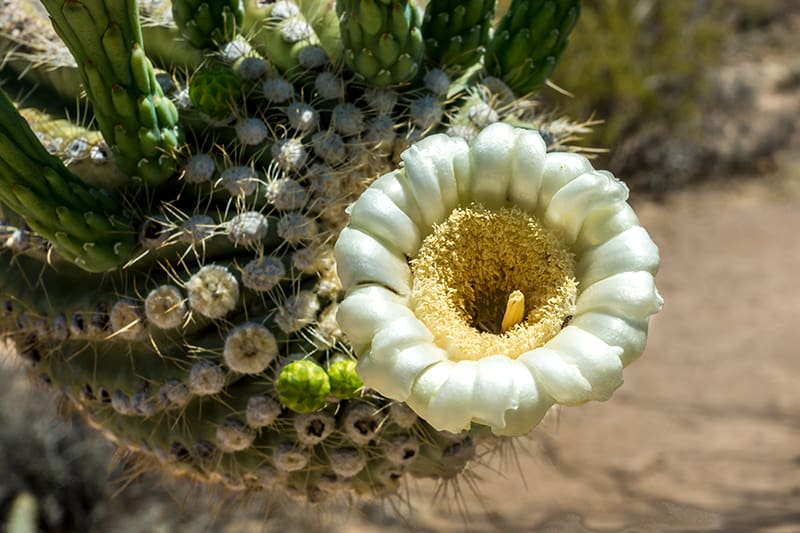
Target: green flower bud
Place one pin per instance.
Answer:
(215, 91)
(345, 383)
(303, 386)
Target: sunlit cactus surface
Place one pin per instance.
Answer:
(173, 180)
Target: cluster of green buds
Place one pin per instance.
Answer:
(172, 273)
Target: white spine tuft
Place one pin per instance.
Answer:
(213, 291)
(248, 228)
(251, 131)
(165, 307)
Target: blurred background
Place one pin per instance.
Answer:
(699, 102)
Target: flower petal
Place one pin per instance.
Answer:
(399, 334)
(451, 408)
(462, 166)
(576, 200)
(562, 380)
(375, 213)
(390, 185)
(395, 378)
(367, 309)
(402, 349)
(630, 335)
(491, 167)
(527, 168)
(597, 361)
(361, 259)
(630, 295)
(427, 385)
(431, 159)
(495, 391)
(630, 251)
(603, 224)
(559, 169)
(533, 403)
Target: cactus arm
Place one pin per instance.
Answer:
(456, 33)
(529, 40)
(326, 25)
(139, 123)
(382, 40)
(279, 34)
(208, 23)
(83, 150)
(84, 224)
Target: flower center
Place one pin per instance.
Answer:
(492, 282)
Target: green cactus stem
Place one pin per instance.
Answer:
(206, 23)
(529, 40)
(140, 124)
(193, 320)
(85, 224)
(280, 32)
(456, 33)
(382, 40)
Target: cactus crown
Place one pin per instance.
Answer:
(171, 273)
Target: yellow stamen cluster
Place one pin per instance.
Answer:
(492, 282)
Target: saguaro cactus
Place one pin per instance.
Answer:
(173, 275)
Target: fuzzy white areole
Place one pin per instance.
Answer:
(543, 235)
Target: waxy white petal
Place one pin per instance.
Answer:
(377, 215)
(630, 335)
(366, 309)
(527, 169)
(576, 200)
(398, 334)
(431, 160)
(491, 166)
(404, 347)
(462, 167)
(427, 385)
(390, 185)
(494, 391)
(451, 408)
(597, 361)
(559, 169)
(630, 295)
(629, 251)
(562, 380)
(532, 403)
(394, 377)
(361, 259)
(603, 224)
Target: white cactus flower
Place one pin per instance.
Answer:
(487, 282)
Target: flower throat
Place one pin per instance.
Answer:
(488, 282)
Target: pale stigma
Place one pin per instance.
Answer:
(515, 310)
